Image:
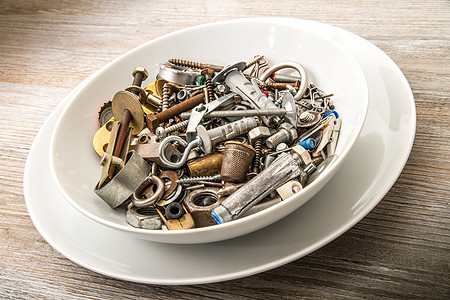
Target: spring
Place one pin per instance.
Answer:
(257, 160)
(165, 97)
(210, 89)
(306, 116)
(186, 63)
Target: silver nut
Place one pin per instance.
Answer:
(144, 217)
(259, 132)
(303, 154)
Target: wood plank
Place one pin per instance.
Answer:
(400, 250)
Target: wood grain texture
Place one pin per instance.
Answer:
(400, 250)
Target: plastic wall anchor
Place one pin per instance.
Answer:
(308, 144)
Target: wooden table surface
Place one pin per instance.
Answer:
(399, 250)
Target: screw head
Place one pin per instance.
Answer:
(208, 73)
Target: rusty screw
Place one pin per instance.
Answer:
(153, 120)
(194, 64)
(209, 74)
(281, 86)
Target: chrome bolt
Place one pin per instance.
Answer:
(286, 134)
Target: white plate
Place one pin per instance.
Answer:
(372, 167)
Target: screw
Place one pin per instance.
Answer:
(286, 134)
(194, 64)
(209, 74)
(163, 132)
(280, 86)
(153, 120)
(192, 180)
(255, 60)
(276, 85)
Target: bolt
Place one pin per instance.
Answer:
(121, 137)
(285, 78)
(193, 180)
(241, 113)
(286, 134)
(281, 147)
(194, 64)
(163, 132)
(153, 120)
(117, 161)
(139, 74)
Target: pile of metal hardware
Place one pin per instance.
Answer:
(206, 144)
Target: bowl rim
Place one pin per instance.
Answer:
(326, 175)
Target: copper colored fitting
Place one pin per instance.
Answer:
(206, 166)
(200, 202)
(281, 86)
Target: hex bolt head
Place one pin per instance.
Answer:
(286, 134)
(142, 71)
(208, 73)
(260, 132)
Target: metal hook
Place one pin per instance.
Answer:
(188, 147)
(160, 189)
(293, 65)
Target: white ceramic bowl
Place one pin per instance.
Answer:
(75, 165)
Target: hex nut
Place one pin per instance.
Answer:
(144, 217)
(140, 70)
(259, 132)
(200, 203)
(303, 154)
